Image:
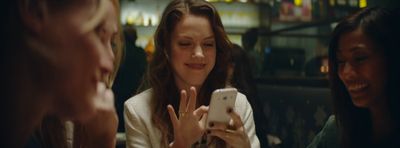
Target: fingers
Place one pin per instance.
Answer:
(172, 116)
(188, 104)
(183, 102)
(101, 86)
(192, 100)
(104, 100)
(109, 100)
(200, 111)
(237, 122)
(217, 126)
(203, 121)
(229, 136)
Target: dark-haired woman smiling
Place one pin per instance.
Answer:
(364, 75)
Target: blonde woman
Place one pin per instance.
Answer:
(58, 57)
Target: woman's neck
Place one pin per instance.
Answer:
(382, 123)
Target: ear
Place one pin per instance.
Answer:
(33, 13)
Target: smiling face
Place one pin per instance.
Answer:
(80, 39)
(193, 51)
(362, 68)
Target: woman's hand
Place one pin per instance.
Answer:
(233, 134)
(100, 131)
(189, 127)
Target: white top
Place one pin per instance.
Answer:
(142, 133)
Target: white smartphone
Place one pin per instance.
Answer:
(221, 100)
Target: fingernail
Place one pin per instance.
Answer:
(211, 124)
(229, 110)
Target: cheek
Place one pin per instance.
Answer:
(92, 49)
(211, 57)
(339, 74)
(177, 58)
(378, 77)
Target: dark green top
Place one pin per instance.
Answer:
(328, 137)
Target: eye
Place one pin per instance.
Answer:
(209, 45)
(340, 61)
(99, 29)
(184, 43)
(113, 45)
(360, 59)
(101, 34)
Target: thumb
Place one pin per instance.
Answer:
(203, 120)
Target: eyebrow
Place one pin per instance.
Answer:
(206, 38)
(210, 37)
(97, 17)
(355, 48)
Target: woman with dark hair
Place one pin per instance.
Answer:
(364, 74)
(190, 62)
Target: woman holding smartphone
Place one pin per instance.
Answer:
(190, 62)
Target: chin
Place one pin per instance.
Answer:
(84, 115)
(196, 83)
(83, 111)
(361, 102)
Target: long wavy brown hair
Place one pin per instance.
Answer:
(159, 76)
(379, 25)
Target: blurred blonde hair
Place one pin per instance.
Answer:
(52, 132)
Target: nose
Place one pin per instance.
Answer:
(347, 71)
(198, 52)
(107, 60)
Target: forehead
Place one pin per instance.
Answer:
(193, 26)
(102, 10)
(354, 41)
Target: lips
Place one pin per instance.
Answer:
(357, 86)
(196, 66)
(96, 78)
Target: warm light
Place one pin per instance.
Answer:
(362, 3)
(324, 66)
(332, 2)
(298, 2)
(146, 20)
(130, 20)
(324, 69)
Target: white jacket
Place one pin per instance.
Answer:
(142, 133)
